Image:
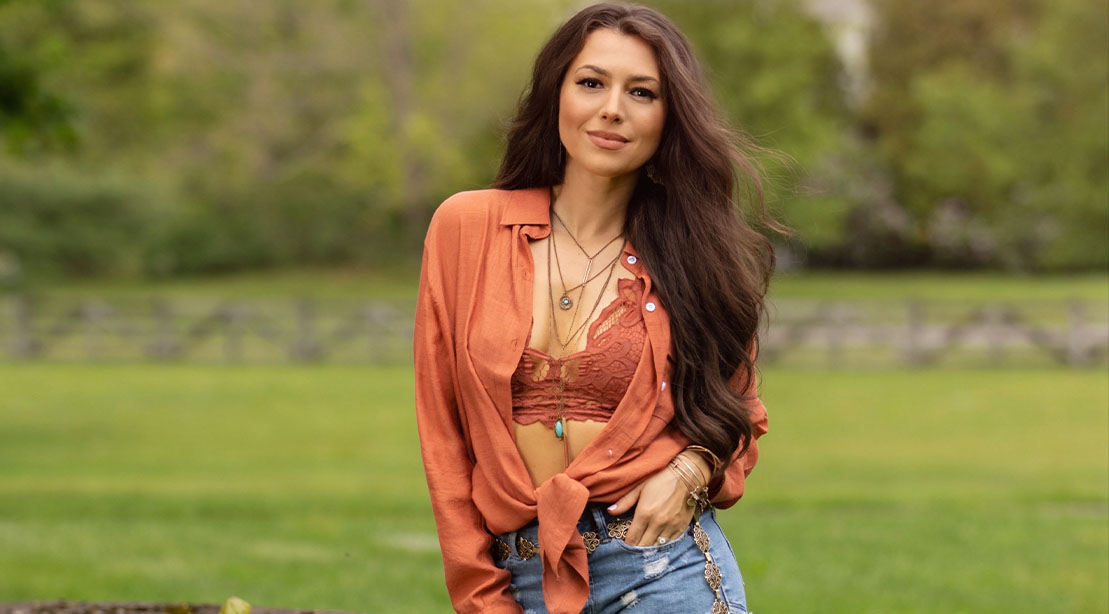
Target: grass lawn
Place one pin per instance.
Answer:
(930, 491)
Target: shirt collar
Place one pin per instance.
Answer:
(532, 207)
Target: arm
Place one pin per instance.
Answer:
(662, 497)
(474, 583)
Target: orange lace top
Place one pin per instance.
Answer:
(595, 378)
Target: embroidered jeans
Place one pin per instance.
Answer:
(676, 577)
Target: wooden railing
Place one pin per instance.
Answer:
(848, 334)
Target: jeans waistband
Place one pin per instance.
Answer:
(595, 518)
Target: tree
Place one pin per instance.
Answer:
(991, 117)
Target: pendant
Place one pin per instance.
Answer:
(565, 303)
(558, 428)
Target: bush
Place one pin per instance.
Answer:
(54, 221)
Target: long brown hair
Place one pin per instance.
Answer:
(711, 267)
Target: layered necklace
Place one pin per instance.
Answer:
(575, 329)
(564, 302)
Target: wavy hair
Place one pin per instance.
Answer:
(711, 268)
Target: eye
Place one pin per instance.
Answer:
(590, 83)
(643, 92)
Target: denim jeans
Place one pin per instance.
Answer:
(666, 579)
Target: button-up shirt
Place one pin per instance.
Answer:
(473, 317)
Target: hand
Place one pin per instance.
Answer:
(661, 510)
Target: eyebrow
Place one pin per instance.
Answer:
(598, 69)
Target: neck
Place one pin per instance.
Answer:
(592, 207)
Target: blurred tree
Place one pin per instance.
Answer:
(327, 131)
(1062, 77)
(96, 55)
(32, 118)
(775, 72)
(992, 118)
(54, 221)
(431, 119)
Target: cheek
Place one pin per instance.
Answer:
(570, 111)
(652, 127)
(565, 116)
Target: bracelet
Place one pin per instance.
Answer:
(697, 493)
(716, 464)
(688, 478)
(693, 468)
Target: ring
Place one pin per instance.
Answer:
(662, 540)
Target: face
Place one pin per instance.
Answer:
(611, 110)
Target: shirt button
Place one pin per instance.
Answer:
(632, 260)
(649, 306)
(664, 385)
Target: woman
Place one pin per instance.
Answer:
(585, 334)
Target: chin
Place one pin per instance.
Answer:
(609, 170)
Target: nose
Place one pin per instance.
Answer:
(611, 110)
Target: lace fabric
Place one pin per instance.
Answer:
(595, 378)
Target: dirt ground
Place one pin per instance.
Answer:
(76, 607)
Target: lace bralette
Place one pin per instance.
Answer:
(595, 378)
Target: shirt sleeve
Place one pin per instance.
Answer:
(726, 490)
(474, 583)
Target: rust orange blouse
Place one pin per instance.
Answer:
(473, 316)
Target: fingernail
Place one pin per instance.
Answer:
(612, 508)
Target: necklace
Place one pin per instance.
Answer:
(565, 302)
(573, 335)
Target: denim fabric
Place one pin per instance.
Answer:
(666, 579)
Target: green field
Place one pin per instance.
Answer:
(978, 491)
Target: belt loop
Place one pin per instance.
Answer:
(510, 537)
(601, 521)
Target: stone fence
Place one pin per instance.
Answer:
(801, 333)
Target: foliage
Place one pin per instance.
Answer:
(997, 139)
(323, 133)
(775, 73)
(54, 221)
(29, 116)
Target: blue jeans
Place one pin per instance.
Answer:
(654, 579)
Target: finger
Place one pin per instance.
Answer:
(641, 520)
(651, 535)
(654, 531)
(626, 502)
(671, 530)
(635, 533)
(652, 525)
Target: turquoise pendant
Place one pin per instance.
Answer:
(558, 428)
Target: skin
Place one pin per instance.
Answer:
(613, 85)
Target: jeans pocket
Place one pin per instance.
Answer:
(655, 547)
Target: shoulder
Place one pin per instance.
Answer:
(466, 210)
(459, 238)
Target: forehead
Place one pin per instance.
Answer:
(620, 54)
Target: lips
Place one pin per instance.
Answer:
(607, 140)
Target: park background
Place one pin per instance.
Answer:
(211, 215)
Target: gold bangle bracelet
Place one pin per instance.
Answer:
(692, 467)
(713, 458)
(697, 469)
(686, 478)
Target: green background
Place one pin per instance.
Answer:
(895, 491)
